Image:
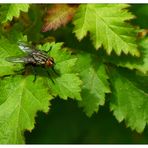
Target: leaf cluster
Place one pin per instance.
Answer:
(113, 66)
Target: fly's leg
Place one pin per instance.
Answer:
(35, 74)
(19, 71)
(34, 78)
(50, 76)
(54, 71)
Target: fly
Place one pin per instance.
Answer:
(34, 57)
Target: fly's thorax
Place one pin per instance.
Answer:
(39, 58)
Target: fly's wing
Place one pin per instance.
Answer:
(31, 50)
(25, 60)
(25, 47)
(15, 59)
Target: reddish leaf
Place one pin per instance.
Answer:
(57, 16)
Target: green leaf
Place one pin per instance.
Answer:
(141, 63)
(67, 85)
(8, 11)
(66, 81)
(106, 25)
(20, 99)
(8, 49)
(95, 85)
(129, 99)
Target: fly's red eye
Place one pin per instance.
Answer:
(49, 63)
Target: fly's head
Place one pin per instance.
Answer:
(50, 62)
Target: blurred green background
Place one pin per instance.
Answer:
(66, 123)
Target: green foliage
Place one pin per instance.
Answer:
(107, 27)
(8, 11)
(33, 23)
(89, 77)
(141, 63)
(129, 100)
(95, 85)
(8, 49)
(20, 99)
